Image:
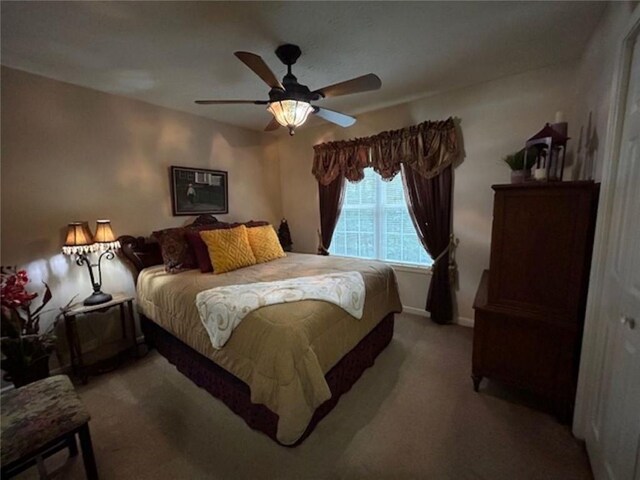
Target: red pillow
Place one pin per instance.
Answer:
(200, 250)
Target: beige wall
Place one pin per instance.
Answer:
(496, 118)
(594, 86)
(71, 153)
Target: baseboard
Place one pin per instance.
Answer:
(421, 312)
(465, 322)
(462, 321)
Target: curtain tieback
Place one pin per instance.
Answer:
(322, 250)
(452, 267)
(451, 247)
(442, 254)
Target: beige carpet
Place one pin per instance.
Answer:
(414, 414)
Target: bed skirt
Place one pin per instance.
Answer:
(235, 394)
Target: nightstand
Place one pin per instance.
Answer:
(127, 322)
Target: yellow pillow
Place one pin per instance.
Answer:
(265, 244)
(228, 248)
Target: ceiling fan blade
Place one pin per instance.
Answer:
(255, 63)
(335, 117)
(364, 83)
(273, 125)
(230, 102)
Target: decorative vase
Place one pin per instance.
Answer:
(520, 176)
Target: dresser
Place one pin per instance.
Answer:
(530, 304)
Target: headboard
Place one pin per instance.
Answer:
(143, 252)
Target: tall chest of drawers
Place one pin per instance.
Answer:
(530, 305)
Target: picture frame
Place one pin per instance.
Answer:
(196, 191)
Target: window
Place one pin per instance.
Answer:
(375, 223)
(208, 178)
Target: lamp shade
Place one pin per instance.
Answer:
(104, 237)
(79, 239)
(290, 113)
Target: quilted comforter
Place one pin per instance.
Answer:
(283, 351)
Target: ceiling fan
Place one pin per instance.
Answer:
(290, 101)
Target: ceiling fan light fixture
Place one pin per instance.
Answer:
(290, 113)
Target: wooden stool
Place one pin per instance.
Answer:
(41, 419)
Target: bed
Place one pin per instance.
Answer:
(285, 366)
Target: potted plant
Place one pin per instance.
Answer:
(519, 171)
(25, 351)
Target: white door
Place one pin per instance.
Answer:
(613, 432)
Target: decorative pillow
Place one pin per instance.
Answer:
(176, 252)
(264, 243)
(200, 251)
(228, 248)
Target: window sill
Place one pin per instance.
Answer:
(400, 267)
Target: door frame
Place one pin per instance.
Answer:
(592, 351)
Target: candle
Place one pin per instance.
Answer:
(559, 117)
(540, 173)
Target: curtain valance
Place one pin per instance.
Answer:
(427, 148)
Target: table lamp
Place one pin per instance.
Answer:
(81, 242)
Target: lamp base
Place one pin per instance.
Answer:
(97, 298)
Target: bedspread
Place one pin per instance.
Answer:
(282, 352)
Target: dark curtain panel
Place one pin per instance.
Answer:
(331, 197)
(429, 202)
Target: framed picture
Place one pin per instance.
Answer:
(198, 190)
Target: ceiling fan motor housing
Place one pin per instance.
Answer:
(293, 90)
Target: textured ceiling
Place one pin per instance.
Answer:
(171, 53)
